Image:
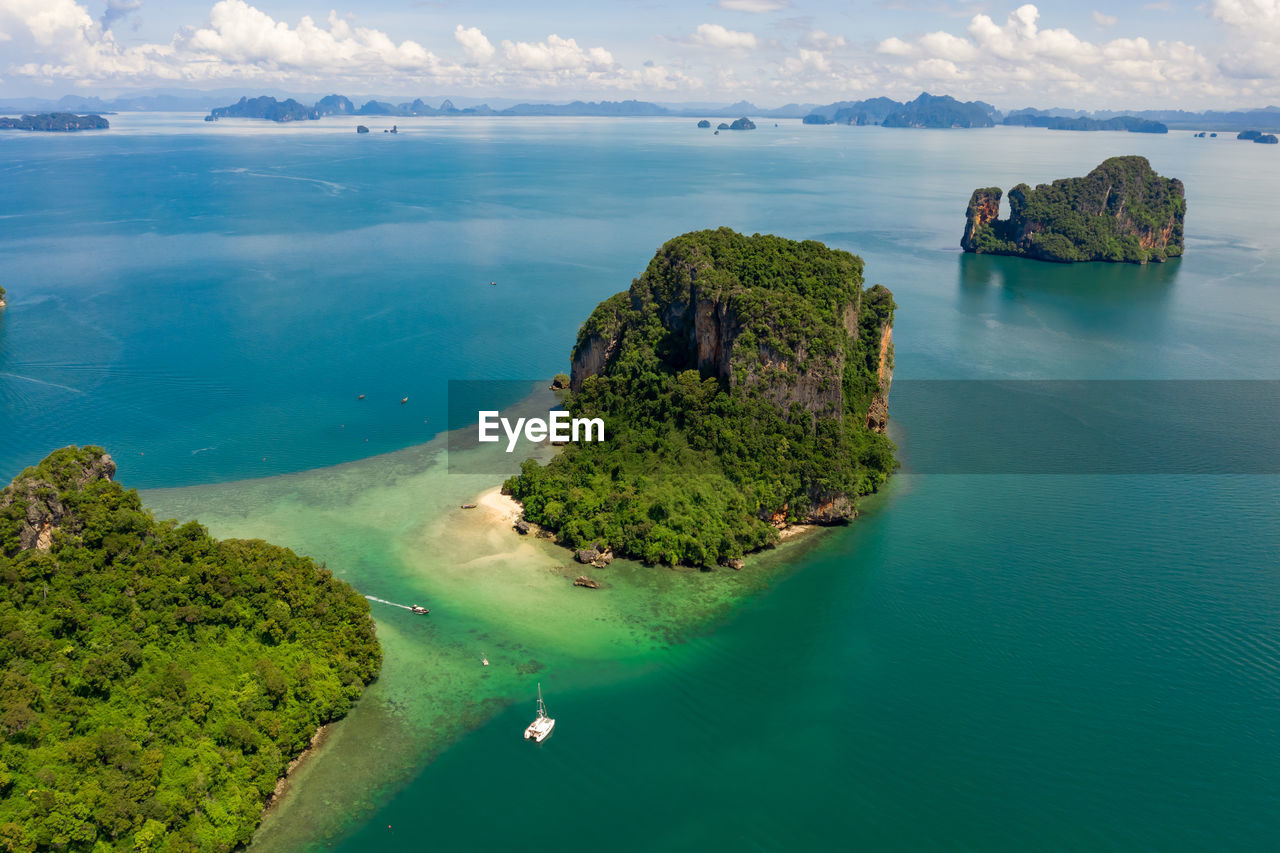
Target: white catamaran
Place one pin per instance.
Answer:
(540, 729)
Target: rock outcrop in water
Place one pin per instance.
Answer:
(744, 384)
(1121, 211)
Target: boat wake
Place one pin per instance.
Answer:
(392, 603)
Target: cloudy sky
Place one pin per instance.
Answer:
(1168, 53)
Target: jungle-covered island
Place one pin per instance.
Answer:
(1131, 124)
(1120, 211)
(744, 386)
(155, 683)
(55, 122)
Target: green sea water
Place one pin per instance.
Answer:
(980, 662)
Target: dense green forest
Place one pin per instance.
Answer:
(735, 395)
(155, 682)
(1120, 211)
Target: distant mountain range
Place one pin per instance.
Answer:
(266, 107)
(925, 111)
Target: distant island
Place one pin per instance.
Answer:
(744, 385)
(2, 302)
(156, 682)
(1121, 211)
(266, 107)
(1258, 136)
(55, 122)
(743, 123)
(1129, 123)
(926, 111)
(704, 123)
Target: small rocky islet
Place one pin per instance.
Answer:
(1121, 211)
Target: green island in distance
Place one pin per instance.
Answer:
(55, 122)
(1121, 211)
(743, 382)
(155, 683)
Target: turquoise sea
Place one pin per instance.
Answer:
(981, 662)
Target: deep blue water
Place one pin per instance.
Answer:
(209, 301)
(1034, 662)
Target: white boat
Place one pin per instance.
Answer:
(540, 729)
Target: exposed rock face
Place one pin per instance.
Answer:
(1121, 211)
(584, 581)
(984, 208)
(522, 527)
(39, 495)
(598, 556)
(738, 334)
(878, 411)
(711, 319)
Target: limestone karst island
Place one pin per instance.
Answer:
(744, 382)
(1120, 211)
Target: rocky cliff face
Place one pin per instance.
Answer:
(741, 339)
(1120, 211)
(832, 358)
(984, 208)
(35, 499)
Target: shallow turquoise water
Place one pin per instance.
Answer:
(981, 663)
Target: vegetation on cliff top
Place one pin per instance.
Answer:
(155, 682)
(1120, 211)
(734, 381)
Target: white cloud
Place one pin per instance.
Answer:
(753, 5)
(820, 40)
(241, 43)
(946, 46)
(895, 46)
(1255, 48)
(1018, 56)
(556, 54)
(1104, 20)
(242, 34)
(474, 42)
(714, 35)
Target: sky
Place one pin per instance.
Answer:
(1210, 54)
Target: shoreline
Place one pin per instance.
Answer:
(283, 784)
(505, 510)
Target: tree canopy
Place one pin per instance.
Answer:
(155, 682)
(718, 431)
